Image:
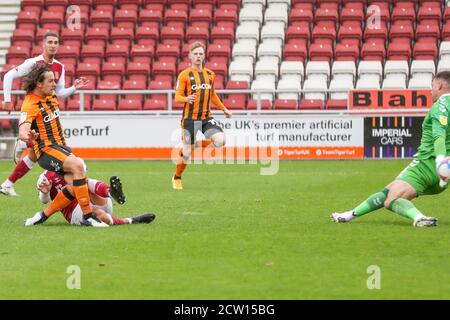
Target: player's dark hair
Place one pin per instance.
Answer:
(50, 34)
(443, 75)
(37, 74)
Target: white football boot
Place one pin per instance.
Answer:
(425, 222)
(8, 191)
(342, 217)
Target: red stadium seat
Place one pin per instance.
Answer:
(220, 69)
(425, 51)
(197, 34)
(311, 104)
(327, 15)
(285, 104)
(429, 12)
(402, 31)
(200, 15)
(173, 15)
(381, 32)
(147, 33)
(168, 51)
(428, 33)
(172, 33)
(336, 104)
(27, 18)
(399, 51)
(122, 36)
(108, 85)
(222, 33)
(74, 103)
(445, 33)
(105, 103)
(294, 52)
(17, 52)
(101, 18)
(128, 103)
(155, 104)
(138, 68)
(144, 51)
(164, 68)
(92, 53)
(119, 52)
(218, 51)
(226, 17)
(72, 36)
(150, 15)
(113, 68)
(325, 34)
(253, 104)
(321, 52)
(23, 35)
(373, 51)
(97, 36)
(125, 18)
(183, 65)
(352, 15)
(402, 11)
(298, 30)
(88, 69)
(68, 51)
(159, 85)
(301, 15)
(350, 34)
(235, 102)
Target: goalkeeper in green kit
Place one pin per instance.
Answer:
(420, 177)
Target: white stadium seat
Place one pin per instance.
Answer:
(248, 30)
(370, 68)
(269, 49)
(241, 71)
(397, 69)
(443, 65)
(367, 83)
(264, 85)
(393, 83)
(318, 68)
(251, 13)
(287, 84)
(276, 13)
(419, 83)
(273, 30)
(444, 50)
(313, 84)
(267, 66)
(423, 67)
(341, 84)
(344, 68)
(244, 48)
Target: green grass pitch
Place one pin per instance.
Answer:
(230, 234)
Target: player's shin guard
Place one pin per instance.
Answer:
(82, 195)
(405, 208)
(62, 200)
(21, 169)
(181, 165)
(372, 203)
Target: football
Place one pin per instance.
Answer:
(443, 169)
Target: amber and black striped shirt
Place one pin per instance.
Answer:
(43, 115)
(201, 83)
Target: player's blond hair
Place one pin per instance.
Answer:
(195, 45)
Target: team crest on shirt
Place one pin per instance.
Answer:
(443, 120)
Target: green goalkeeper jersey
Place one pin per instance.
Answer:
(435, 126)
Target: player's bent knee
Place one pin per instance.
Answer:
(74, 165)
(218, 140)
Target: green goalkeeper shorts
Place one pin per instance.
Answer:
(422, 176)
